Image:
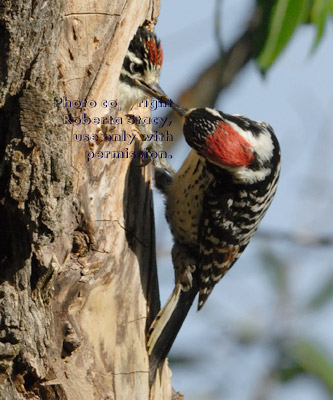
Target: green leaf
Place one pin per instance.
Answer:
(314, 361)
(318, 16)
(286, 16)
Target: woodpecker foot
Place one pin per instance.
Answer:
(184, 263)
(153, 146)
(162, 180)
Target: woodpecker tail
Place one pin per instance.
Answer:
(165, 327)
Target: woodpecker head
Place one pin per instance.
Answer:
(142, 63)
(247, 149)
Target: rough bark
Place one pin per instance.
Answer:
(77, 258)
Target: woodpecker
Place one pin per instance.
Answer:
(214, 204)
(142, 63)
(139, 79)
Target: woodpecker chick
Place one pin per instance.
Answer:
(138, 80)
(214, 204)
(142, 63)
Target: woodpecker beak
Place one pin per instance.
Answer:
(154, 90)
(159, 91)
(179, 109)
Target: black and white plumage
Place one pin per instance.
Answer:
(139, 77)
(142, 63)
(214, 204)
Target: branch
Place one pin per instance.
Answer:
(304, 239)
(220, 74)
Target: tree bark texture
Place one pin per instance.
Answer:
(77, 258)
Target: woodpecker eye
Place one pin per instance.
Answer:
(136, 68)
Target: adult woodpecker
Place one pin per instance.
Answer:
(214, 204)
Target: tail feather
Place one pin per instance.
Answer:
(167, 324)
(162, 318)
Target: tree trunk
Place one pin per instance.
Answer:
(77, 253)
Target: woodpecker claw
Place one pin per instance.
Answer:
(144, 163)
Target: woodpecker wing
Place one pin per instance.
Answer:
(219, 247)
